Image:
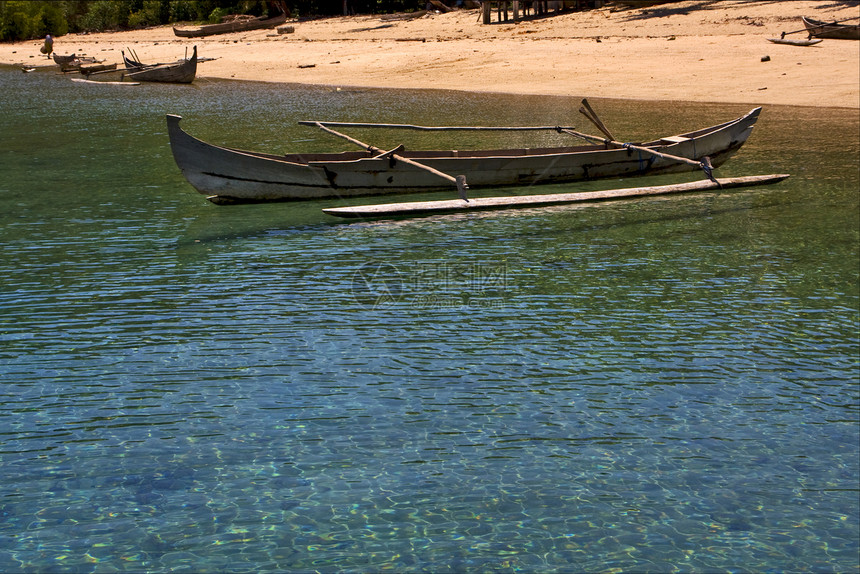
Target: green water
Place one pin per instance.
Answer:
(648, 385)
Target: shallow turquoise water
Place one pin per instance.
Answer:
(660, 384)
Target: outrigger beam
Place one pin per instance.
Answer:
(588, 112)
(459, 181)
(433, 128)
(704, 165)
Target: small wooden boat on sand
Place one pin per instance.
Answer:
(182, 72)
(832, 30)
(238, 25)
(228, 175)
(63, 60)
(75, 63)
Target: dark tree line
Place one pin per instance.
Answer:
(25, 19)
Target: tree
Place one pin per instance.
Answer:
(25, 20)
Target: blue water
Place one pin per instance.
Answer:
(650, 385)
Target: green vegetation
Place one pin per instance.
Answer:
(25, 20)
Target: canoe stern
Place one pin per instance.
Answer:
(243, 176)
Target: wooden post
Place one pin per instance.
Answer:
(516, 10)
(487, 8)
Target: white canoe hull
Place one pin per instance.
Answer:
(229, 175)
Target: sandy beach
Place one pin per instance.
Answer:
(683, 51)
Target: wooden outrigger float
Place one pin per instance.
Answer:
(423, 208)
(105, 83)
(228, 175)
(791, 42)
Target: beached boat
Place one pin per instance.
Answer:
(74, 63)
(61, 60)
(182, 72)
(238, 25)
(832, 30)
(69, 63)
(131, 63)
(230, 175)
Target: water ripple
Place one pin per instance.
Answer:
(650, 385)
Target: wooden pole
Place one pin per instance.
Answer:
(459, 181)
(638, 148)
(704, 165)
(434, 128)
(589, 113)
(115, 70)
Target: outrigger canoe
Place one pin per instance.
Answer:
(181, 72)
(833, 30)
(228, 175)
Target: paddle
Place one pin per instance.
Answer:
(822, 25)
(134, 55)
(459, 181)
(592, 117)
